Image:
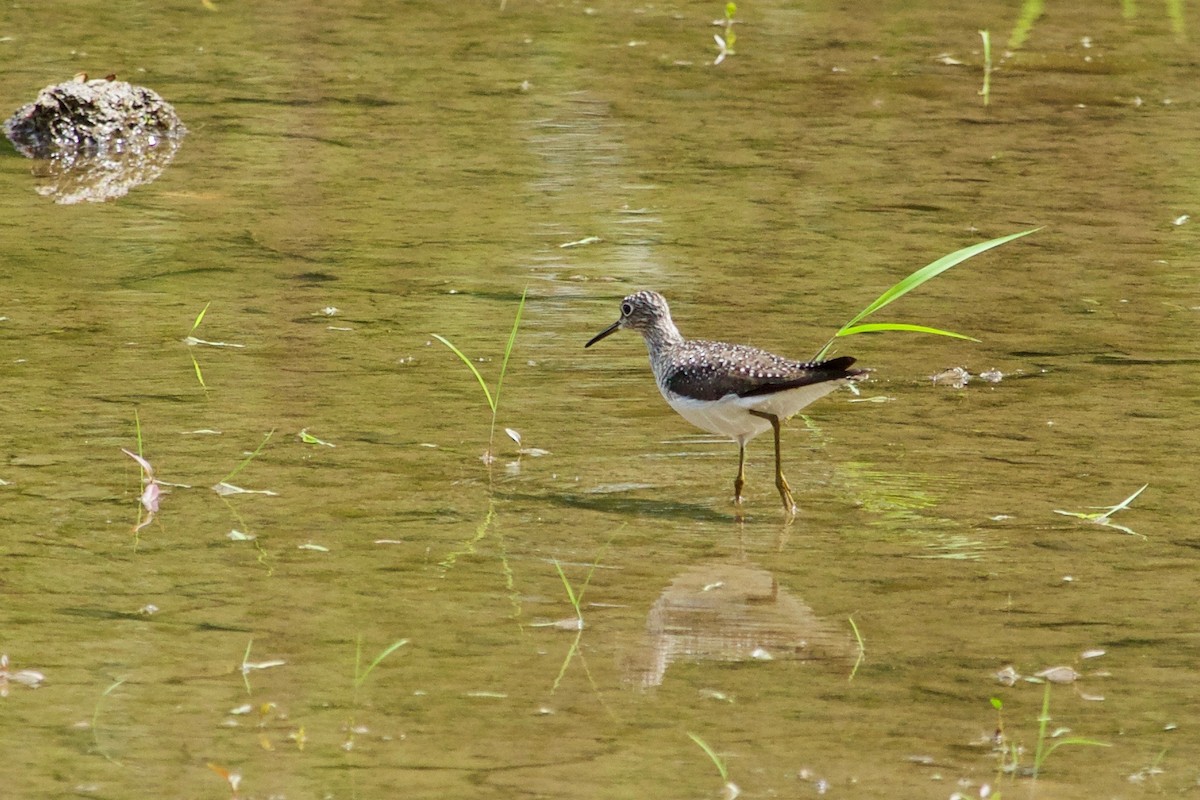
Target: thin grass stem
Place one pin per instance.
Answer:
(250, 457)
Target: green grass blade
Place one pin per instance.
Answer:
(712, 755)
(874, 327)
(924, 274)
(508, 348)
(361, 678)
(250, 457)
(199, 318)
(570, 591)
(199, 374)
(487, 392)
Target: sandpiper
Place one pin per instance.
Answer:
(731, 389)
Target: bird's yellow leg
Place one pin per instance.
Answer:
(785, 491)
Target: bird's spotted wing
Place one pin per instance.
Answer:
(712, 370)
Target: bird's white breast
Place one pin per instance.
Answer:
(730, 416)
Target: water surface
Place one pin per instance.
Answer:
(359, 177)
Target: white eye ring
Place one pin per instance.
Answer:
(626, 309)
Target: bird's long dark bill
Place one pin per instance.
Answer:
(609, 331)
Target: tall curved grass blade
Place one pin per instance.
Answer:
(486, 392)
(712, 755)
(876, 327)
(361, 677)
(926, 273)
(930, 271)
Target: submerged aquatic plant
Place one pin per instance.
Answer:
(493, 398)
(926, 273)
(1104, 515)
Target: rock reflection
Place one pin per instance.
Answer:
(731, 612)
(95, 179)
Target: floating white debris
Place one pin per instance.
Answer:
(244, 708)
(308, 438)
(948, 60)
(247, 666)
(310, 546)
(1093, 653)
(192, 341)
(26, 677)
(514, 435)
(1060, 675)
(1007, 676)
(581, 242)
(761, 654)
(235, 535)
(225, 489)
(956, 377)
(1181, 219)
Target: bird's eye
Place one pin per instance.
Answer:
(626, 309)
